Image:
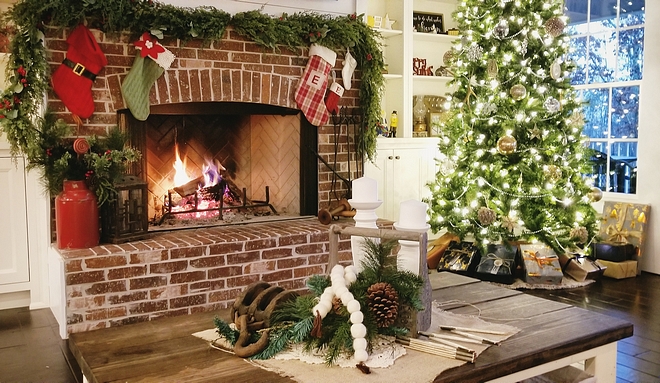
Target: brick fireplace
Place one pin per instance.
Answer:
(186, 271)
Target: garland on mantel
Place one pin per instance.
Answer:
(29, 73)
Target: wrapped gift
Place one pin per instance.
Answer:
(580, 267)
(619, 270)
(614, 251)
(625, 222)
(541, 265)
(498, 264)
(460, 257)
(437, 248)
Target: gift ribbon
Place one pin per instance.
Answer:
(542, 261)
(498, 262)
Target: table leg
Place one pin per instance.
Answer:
(603, 365)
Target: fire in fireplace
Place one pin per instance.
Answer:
(215, 163)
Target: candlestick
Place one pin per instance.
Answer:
(365, 201)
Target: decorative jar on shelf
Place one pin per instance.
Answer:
(76, 216)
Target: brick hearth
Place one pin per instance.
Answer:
(188, 271)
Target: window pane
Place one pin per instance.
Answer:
(602, 57)
(578, 54)
(596, 112)
(632, 12)
(602, 15)
(625, 112)
(623, 167)
(631, 54)
(599, 174)
(576, 10)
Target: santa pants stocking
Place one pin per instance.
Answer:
(311, 88)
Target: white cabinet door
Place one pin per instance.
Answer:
(14, 258)
(402, 172)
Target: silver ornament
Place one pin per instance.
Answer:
(552, 105)
(501, 30)
(447, 167)
(475, 52)
(518, 92)
(489, 108)
(523, 47)
(555, 69)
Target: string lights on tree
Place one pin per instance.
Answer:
(515, 155)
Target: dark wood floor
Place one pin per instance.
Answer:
(31, 350)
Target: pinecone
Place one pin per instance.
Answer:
(383, 301)
(336, 305)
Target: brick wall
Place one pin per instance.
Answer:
(189, 271)
(233, 69)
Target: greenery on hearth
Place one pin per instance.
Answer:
(293, 321)
(29, 71)
(100, 166)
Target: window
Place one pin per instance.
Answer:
(607, 45)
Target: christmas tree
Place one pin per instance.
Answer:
(516, 158)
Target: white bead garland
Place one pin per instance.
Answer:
(340, 279)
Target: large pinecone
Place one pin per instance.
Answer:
(383, 301)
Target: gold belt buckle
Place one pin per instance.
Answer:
(79, 69)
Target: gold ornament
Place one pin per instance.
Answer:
(492, 68)
(448, 57)
(552, 172)
(518, 92)
(595, 195)
(555, 26)
(507, 145)
(535, 133)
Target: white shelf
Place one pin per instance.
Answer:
(392, 76)
(387, 33)
(434, 37)
(432, 78)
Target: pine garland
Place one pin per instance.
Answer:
(29, 72)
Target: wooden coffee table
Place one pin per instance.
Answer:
(552, 335)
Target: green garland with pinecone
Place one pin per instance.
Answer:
(382, 291)
(29, 73)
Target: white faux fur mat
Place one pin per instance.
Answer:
(566, 283)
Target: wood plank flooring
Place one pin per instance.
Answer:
(31, 350)
(636, 300)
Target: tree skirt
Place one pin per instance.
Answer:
(566, 283)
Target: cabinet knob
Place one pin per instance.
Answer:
(390, 157)
(397, 158)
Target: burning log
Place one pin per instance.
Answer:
(190, 187)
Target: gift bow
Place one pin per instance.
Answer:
(502, 262)
(528, 255)
(617, 234)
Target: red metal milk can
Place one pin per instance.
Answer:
(76, 216)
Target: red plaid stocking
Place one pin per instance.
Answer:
(311, 88)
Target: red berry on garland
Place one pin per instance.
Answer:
(80, 145)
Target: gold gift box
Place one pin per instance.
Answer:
(619, 270)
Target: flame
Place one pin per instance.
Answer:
(211, 172)
(180, 175)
